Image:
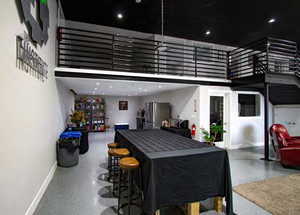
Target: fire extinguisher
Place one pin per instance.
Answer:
(193, 130)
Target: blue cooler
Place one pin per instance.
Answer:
(121, 126)
(70, 134)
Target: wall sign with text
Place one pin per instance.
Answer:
(29, 61)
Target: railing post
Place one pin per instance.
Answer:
(266, 99)
(58, 37)
(254, 63)
(158, 58)
(228, 64)
(195, 54)
(296, 59)
(267, 54)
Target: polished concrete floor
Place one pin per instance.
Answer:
(82, 190)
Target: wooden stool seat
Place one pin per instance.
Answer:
(112, 145)
(120, 152)
(129, 163)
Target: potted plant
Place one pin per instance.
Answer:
(211, 136)
(78, 118)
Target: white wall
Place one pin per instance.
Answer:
(66, 100)
(289, 116)
(122, 116)
(242, 131)
(182, 103)
(31, 115)
(246, 131)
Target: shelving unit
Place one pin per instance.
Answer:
(94, 110)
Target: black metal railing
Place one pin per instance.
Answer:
(262, 56)
(98, 50)
(282, 56)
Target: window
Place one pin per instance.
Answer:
(217, 113)
(249, 105)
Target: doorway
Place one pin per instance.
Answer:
(219, 115)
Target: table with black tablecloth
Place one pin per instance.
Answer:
(185, 132)
(177, 170)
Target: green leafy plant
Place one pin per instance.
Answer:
(215, 130)
(77, 117)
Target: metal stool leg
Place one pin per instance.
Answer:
(114, 175)
(130, 183)
(109, 167)
(119, 190)
(116, 171)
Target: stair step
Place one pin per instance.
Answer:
(297, 74)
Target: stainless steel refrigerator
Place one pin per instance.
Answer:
(155, 113)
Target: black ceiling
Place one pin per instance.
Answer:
(231, 22)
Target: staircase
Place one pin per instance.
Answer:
(267, 61)
(269, 66)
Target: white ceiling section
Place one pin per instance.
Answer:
(117, 87)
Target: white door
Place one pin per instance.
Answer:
(219, 114)
(289, 116)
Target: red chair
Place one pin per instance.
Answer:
(286, 146)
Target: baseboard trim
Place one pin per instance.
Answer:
(240, 146)
(31, 209)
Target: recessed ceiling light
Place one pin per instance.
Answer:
(207, 32)
(95, 88)
(120, 16)
(159, 86)
(272, 20)
(97, 83)
(110, 86)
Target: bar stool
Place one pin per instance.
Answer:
(109, 158)
(127, 165)
(112, 145)
(116, 155)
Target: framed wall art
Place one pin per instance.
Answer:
(123, 105)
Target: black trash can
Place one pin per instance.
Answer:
(84, 139)
(68, 149)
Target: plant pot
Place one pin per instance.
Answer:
(211, 144)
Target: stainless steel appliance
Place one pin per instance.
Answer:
(155, 113)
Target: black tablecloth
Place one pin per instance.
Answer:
(177, 170)
(185, 132)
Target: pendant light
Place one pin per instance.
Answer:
(162, 46)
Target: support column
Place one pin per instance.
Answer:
(193, 208)
(266, 96)
(218, 202)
